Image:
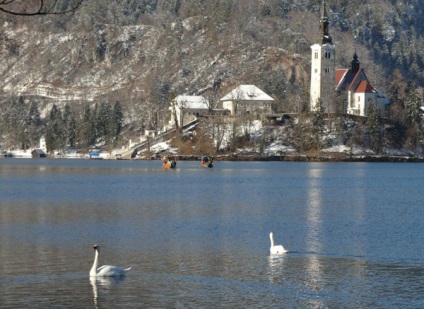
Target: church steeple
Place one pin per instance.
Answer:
(324, 25)
(323, 66)
(355, 63)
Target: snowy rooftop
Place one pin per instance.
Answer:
(191, 101)
(247, 93)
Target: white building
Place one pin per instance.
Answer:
(323, 67)
(185, 109)
(247, 99)
(43, 144)
(326, 82)
(360, 92)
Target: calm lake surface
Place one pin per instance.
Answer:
(199, 238)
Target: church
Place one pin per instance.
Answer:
(327, 82)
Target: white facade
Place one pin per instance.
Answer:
(185, 108)
(323, 66)
(247, 99)
(358, 102)
(326, 81)
(322, 76)
(43, 144)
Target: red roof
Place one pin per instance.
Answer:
(364, 87)
(339, 75)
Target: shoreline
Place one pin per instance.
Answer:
(257, 158)
(302, 158)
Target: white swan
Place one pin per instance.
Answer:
(275, 249)
(105, 270)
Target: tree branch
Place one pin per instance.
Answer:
(42, 8)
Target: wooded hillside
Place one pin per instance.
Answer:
(141, 53)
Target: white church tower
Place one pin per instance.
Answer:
(323, 67)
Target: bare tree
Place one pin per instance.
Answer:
(38, 7)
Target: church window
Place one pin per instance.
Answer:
(316, 55)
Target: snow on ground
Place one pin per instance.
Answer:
(20, 154)
(276, 148)
(346, 149)
(163, 147)
(396, 152)
(280, 145)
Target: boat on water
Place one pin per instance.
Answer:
(207, 161)
(169, 161)
(95, 156)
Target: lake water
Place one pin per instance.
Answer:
(199, 238)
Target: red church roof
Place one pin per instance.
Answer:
(339, 75)
(349, 80)
(364, 87)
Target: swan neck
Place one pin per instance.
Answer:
(271, 237)
(93, 271)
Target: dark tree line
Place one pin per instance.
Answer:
(22, 125)
(101, 124)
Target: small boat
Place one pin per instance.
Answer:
(95, 156)
(207, 161)
(169, 161)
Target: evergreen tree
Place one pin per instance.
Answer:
(87, 128)
(33, 122)
(105, 123)
(15, 121)
(118, 117)
(109, 130)
(69, 123)
(413, 107)
(374, 127)
(22, 124)
(95, 123)
(413, 118)
(54, 131)
(318, 123)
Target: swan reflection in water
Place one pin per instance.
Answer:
(277, 265)
(103, 283)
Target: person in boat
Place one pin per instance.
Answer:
(170, 159)
(207, 161)
(210, 162)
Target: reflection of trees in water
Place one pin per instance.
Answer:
(103, 283)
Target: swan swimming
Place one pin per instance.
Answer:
(275, 249)
(105, 270)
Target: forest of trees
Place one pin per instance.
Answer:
(67, 129)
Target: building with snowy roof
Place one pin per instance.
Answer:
(247, 99)
(186, 108)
